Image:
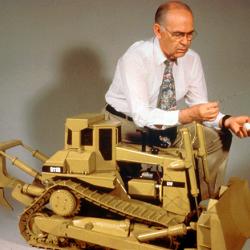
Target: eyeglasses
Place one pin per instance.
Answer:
(178, 36)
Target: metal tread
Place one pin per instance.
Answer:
(131, 209)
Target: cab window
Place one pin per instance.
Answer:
(87, 137)
(69, 137)
(105, 143)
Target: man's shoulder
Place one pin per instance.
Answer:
(143, 48)
(142, 44)
(192, 53)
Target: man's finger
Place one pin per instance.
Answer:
(244, 131)
(213, 104)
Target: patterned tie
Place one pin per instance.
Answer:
(167, 101)
(167, 96)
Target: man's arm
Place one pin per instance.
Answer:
(199, 112)
(237, 125)
(209, 111)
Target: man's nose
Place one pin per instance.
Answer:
(185, 41)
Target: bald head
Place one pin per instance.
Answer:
(174, 28)
(164, 9)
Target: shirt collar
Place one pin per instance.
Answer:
(160, 58)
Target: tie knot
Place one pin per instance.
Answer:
(167, 63)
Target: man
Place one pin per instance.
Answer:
(153, 75)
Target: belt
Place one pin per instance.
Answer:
(111, 110)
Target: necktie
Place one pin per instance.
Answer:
(167, 101)
(167, 96)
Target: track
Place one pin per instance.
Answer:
(132, 209)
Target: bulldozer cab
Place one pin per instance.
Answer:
(90, 132)
(89, 146)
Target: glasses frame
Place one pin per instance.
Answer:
(178, 36)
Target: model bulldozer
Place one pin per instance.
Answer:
(84, 199)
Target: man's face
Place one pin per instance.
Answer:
(175, 34)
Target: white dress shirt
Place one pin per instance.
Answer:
(138, 77)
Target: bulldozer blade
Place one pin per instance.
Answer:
(3, 200)
(5, 179)
(226, 223)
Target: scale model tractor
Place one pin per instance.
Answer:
(86, 197)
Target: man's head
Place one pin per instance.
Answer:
(174, 27)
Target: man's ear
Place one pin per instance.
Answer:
(157, 30)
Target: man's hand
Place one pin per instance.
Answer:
(200, 113)
(236, 125)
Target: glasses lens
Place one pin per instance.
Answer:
(179, 35)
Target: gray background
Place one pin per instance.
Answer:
(57, 59)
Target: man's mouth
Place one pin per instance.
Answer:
(182, 50)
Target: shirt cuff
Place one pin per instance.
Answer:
(214, 123)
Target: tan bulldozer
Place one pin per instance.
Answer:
(89, 196)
